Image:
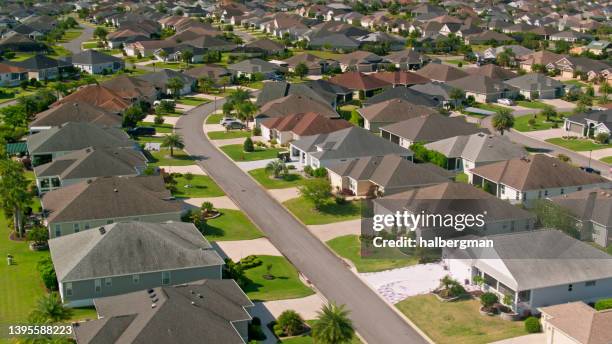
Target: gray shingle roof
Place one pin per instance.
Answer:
(76, 112)
(534, 82)
(432, 127)
(478, 148)
(405, 93)
(93, 57)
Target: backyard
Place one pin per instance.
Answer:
(269, 182)
(286, 283)
(237, 153)
(331, 212)
(198, 186)
(349, 247)
(579, 145)
(457, 322)
(231, 225)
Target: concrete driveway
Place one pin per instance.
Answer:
(333, 230)
(536, 338)
(236, 250)
(544, 135)
(286, 194)
(222, 202)
(559, 104)
(167, 119)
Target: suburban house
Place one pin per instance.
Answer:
(320, 91)
(161, 78)
(12, 75)
(456, 198)
(362, 85)
(401, 78)
(147, 47)
(47, 145)
(324, 150)
(571, 66)
(95, 62)
(427, 128)
(361, 61)
(132, 89)
(248, 68)
(125, 257)
(465, 152)
(102, 201)
(406, 59)
(77, 111)
(542, 58)
(589, 124)
(440, 72)
(537, 86)
(315, 64)
(493, 71)
(535, 268)
(293, 127)
(592, 209)
(210, 71)
(41, 67)
(391, 111)
(99, 96)
(175, 53)
(382, 175)
(211, 311)
(86, 164)
(576, 322)
(291, 105)
(483, 88)
(408, 94)
(534, 177)
(439, 92)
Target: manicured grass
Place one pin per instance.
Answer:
(455, 62)
(89, 45)
(522, 123)
(461, 177)
(307, 338)
(346, 110)
(214, 118)
(231, 225)
(607, 160)
(84, 313)
(579, 145)
(71, 34)
(236, 153)
(330, 213)
(269, 182)
(349, 247)
(490, 107)
(163, 158)
(193, 101)
(224, 135)
(199, 186)
(574, 82)
(531, 104)
(59, 51)
(285, 285)
(163, 128)
(457, 322)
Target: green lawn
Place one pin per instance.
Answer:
(455, 62)
(579, 145)
(236, 153)
(22, 56)
(349, 247)
(461, 177)
(269, 182)
(574, 82)
(84, 313)
(89, 45)
(71, 34)
(193, 101)
(522, 123)
(307, 338)
(164, 128)
(214, 118)
(224, 134)
(607, 160)
(457, 322)
(231, 225)
(199, 186)
(531, 104)
(490, 107)
(330, 213)
(163, 158)
(285, 285)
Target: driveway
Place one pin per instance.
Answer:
(333, 230)
(74, 46)
(221, 202)
(372, 317)
(545, 134)
(536, 338)
(236, 250)
(282, 195)
(167, 119)
(559, 104)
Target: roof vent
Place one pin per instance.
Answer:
(152, 295)
(149, 291)
(555, 164)
(155, 300)
(193, 303)
(200, 296)
(153, 305)
(115, 190)
(102, 230)
(192, 292)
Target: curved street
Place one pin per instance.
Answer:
(74, 46)
(373, 318)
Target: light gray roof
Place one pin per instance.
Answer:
(160, 79)
(534, 82)
(199, 312)
(480, 84)
(432, 127)
(349, 143)
(478, 148)
(127, 248)
(544, 258)
(254, 66)
(93, 57)
(589, 205)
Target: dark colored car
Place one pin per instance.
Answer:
(590, 170)
(141, 131)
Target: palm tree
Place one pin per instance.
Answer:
(49, 309)
(277, 167)
(246, 110)
(238, 96)
(173, 141)
(163, 55)
(503, 121)
(14, 193)
(333, 325)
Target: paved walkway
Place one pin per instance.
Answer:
(286, 194)
(307, 306)
(334, 230)
(167, 119)
(184, 107)
(536, 338)
(599, 153)
(236, 250)
(221, 202)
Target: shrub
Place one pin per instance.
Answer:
(308, 170)
(564, 157)
(488, 300)
(159, 120)
(248, 145)
(603, 304)
(290, 322)
(249, 262)
(602, 138)
(340, 200)
(47, 273)
(532, 325)
(319, 172)
(257, 131)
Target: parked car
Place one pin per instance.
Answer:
(226, 120)
(277, 77)
(234, 125)
(141, 131)
(505, 101)
(157, 102)
(590, 170)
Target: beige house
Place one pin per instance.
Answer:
(576, 322)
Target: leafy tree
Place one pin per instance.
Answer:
(548, 112)
(290, 322)
(503, 120)
(186, 56)
(159, 119)
(318, 191)
(163, 55)
(245, 110)
(173, 141)
(248, 146)
(206, 84)
(225, 81)
(551, 215)
(602, 138)
(532, 325)
(15, 196)
(47, 273)
(457, 95)
(49, 309)
(333, 325)
(38, 235)
(301, 70)
(175, 85)
(131, 116)
(277, 168)
(100, 33)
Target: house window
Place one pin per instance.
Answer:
(76, 227)
(540, 194)
(524, 296)
(165, 277)
(579, 188)
(68, 287)
(545, 192)
(502, 189)
(562, 191)
(136, 279)
(87, 226)
(58, 230)
(55, 182)
(570, 287)
(108, 281)
(97, 285)
(590, 283)
(108, 222)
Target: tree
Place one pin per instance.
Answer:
(15, 196)
(173, 141)
(301, 70)
(290, 322)
(503, 120)
(277, 168)
(47, 273)
(206, 84)
(186, 56)
(225, 81)
(457, 95)
(532, 325)
(163, 55)
(333, 325)
(248, 146)
(245, 110)
(38, 235)
(100, 33)
(316, 190)
(175, 85)
(131, 116)
(548, 112)
(551, 215)
(60, 88)
(49, 310)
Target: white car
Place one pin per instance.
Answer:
(226, 120)
(157, 102)
(505, 101)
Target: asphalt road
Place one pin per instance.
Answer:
(74, 46)
(373, 318)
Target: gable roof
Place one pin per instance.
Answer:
(358, 81)
(126, 248)
(160, 78)
(401, 78)
(534, 82)
(588, 205)
(108, 198)
(254, 65)
(543, 57)
(581, 322)
(478, 148)
(394, 110)
(39, 62)
(433, 127)
(305, 124)
(405, 93)
(97, 95)
(130, 87)
(441, 72)
(538, 171)
(77, 111)
(293, 104)
(492, 71)
(93, 57)
(480, 84)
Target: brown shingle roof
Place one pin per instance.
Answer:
(294, 104)
(440, 72)
(401, 78)
(76, 112)
(99, 96)
(431, 128)
(358, 81)
(394, 110)
(304, 124)
(581, 322)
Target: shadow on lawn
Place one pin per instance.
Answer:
(344, 209)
